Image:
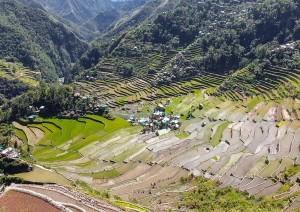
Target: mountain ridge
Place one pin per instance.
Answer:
(91, 17)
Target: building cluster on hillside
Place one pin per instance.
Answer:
(93, 106)
(10, 153)
(158, 122)
(285, 48)
(34, 112)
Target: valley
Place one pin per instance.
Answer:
(155, 105)
(90, 18)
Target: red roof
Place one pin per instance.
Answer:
(77, 94)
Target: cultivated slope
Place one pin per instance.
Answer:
(247, 144)
(218, 37)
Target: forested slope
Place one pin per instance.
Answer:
(30, 36)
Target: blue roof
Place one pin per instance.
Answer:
(32, 116)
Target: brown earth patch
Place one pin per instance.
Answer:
(14, 201)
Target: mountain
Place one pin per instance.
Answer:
(192, 38)
(142, 15)
(30, 36)
(77, 11)
(90, 17)
(114, 36)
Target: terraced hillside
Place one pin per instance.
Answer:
(249, 144)
(15, 79)
(276, 83)
(120, 91)
(18, 71)
(229, 71)
(54, 140)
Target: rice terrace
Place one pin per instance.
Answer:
(249, 143)
(149, 105)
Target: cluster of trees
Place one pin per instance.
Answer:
(10, 88)
(28, 35)
(6, 132)
(178, 27)
(54, 97)
(11, 166)
(208, 197)
(56, 100)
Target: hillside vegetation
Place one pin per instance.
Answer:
(225, 199)
(30, 36)
(228, 71)
(15, 80)
(225, 37)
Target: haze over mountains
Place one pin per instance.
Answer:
(90, 17)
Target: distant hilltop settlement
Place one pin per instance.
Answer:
(159, 122)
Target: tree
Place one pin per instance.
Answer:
(125, 70)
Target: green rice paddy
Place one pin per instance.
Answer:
(104, 174)
(21, 135)
(253, 103)
(218, 135)
(65, 137)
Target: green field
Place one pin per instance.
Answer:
(21, 135)
(65, 137)
(43, 176)
(104, 174)
(218, 135)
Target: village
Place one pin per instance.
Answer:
(9, 152)
(158, 122)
